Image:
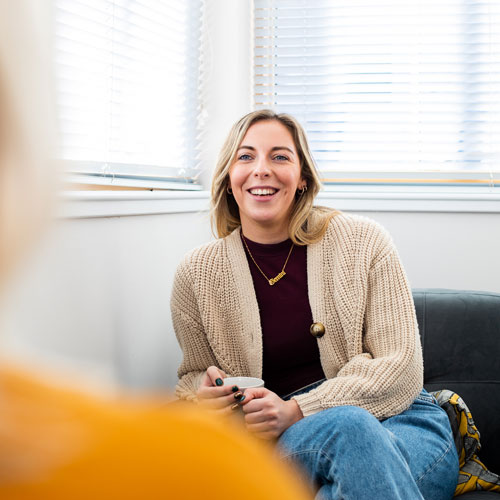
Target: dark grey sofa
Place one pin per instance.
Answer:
(460, 333)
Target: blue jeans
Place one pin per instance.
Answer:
(348, 454)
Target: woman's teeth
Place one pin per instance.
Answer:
(262, 192)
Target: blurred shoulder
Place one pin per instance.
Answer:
(165, 446)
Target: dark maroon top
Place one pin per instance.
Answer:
(290, 352)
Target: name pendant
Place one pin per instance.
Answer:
(274, 280)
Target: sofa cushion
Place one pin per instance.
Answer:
(479, 495)
(460, 333)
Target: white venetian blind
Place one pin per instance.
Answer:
(127, 85)
(405, 91)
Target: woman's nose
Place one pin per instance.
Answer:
(262, 168)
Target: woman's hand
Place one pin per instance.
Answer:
(267, 415)
(212, 394)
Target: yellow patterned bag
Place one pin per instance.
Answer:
(473, 473)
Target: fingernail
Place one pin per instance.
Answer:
(235, 406)
(238, 396)
(241, 399)
(235, 388)
(218, 382)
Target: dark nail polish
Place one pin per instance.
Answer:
(242, 399)
(235, 388)
(238, 396)
(218, 382)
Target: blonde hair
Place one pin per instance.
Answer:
(27, 125)
(224, 210)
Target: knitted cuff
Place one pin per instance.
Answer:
(308, 403)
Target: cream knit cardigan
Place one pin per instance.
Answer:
(370, 353)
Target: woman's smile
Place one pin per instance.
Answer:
(263, 193)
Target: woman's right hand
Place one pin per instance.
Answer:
(212, 394)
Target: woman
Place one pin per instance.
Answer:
(315, 302)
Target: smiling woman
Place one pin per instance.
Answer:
(317, 304)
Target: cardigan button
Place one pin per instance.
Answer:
(317, 330)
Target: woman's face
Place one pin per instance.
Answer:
(264, 178)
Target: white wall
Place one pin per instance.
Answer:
(96, 296)
(447, 250)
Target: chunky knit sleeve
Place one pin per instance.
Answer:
(197, 354)
(384, 373)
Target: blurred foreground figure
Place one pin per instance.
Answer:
(60, 443)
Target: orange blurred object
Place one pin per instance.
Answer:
(60, 444)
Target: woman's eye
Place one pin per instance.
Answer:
(281, 158)
(244, 157)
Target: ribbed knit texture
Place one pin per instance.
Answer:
(370, 353)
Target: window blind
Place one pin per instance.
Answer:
(127, 90)
(388, 92)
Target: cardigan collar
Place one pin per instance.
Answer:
(243, 284)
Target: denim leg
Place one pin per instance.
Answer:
(349, 454)
(424, 430)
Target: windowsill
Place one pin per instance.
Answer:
(412, 198)
(90, 204)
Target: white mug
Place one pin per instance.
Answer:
(244, 382)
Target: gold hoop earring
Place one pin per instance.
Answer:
(229, 190)
(300, 192)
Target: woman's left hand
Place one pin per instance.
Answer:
(267, 415)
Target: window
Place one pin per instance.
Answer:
(127, 75)
(389, 93)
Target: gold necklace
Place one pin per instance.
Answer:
(280, 275)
